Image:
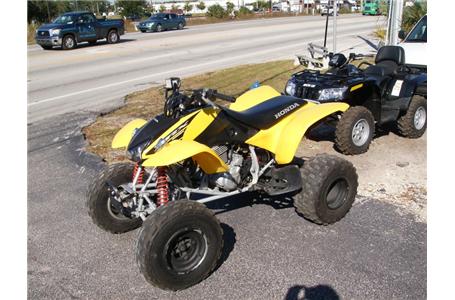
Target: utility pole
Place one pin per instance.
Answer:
(394, 21)
(335, 11)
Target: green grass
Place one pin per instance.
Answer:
(148, 103)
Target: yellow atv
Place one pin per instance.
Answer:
(199, 151)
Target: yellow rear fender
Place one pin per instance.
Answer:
(124, 135)
(283, 138)
(298, 126)
(179, 150)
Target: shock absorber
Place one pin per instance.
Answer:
(162, 186)
(140, 179)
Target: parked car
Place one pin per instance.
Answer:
(162, 21)
(72, 28)
(329, 9)
(415, 45)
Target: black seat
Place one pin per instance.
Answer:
(388, 60)
(267, 113)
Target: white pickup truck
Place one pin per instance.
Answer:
(415, 44)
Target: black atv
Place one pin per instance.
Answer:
(388, 91)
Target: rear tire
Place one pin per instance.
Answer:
(159, 28)
(180, 26)
(414, 122)
(98, 205)
(354, 131)
(329, 187)
(179, 245)
(112, 37)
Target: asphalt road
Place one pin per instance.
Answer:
(94, 77)
(376, 252)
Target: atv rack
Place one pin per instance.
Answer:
(314, 63)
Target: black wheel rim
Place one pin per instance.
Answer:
(337, 193)
(114, 211)
(186, 249)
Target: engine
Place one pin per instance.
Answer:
(229, 181)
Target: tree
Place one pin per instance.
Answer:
(412, 14)
(201, 5)
(162, 8)
(174, 7)
(188, 7)
(216, 11)
(131, 8)
(229, 7)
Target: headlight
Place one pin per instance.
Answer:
(290, 88)
(150, 24)
(55, 31)
(332, 94)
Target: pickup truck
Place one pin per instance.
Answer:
(162, 21)
(72, 28)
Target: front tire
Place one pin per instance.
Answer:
(179, 245)
(329, 187)
(69, 42)
(354, 131)
(103, 214)
(159, 28)
(414, 122)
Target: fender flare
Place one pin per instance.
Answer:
(179, 150)
(123, 137)
(299, 125)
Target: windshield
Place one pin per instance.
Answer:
(419, 32)
(65, 19)
(157, 16)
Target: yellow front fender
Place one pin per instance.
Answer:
(284, 137)
(179, 150)
(124, 135)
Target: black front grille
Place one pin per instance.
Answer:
(307, 93)
(43, 33)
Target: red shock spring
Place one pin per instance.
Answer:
(162, 187)
(140, 179)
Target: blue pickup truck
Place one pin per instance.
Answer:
(72, 28)
(162, 21)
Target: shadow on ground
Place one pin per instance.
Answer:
(318, 292)
(85, 45)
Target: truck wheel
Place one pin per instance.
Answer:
(354, 131)
(179, 245)
(103, 213)
(414, 122)
(69, 42)
(112, 37)
(46, 47)
(180, 26)
(329, 187)
(159, 28)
